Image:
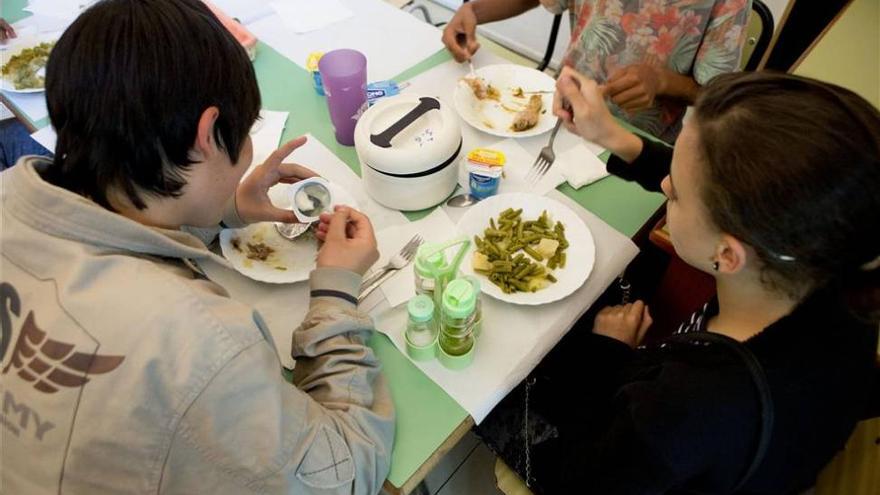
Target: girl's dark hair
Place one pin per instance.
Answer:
(126, 85)
(793, 169)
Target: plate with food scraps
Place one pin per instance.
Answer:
(23, 68)
(528, 249)
(507, 100)
(259, 252)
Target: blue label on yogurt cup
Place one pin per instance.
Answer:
(483, 186)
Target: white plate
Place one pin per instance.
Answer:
(11, 51)
(581, 253)
(489, 115)
(293, 260)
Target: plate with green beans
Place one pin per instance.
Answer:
(527, 249)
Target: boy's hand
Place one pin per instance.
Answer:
(349, 242)
(6, 31)
(252, 198)
(627, 323)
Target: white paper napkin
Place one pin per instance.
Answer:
(303, 16)
(46, 137)
(436, 227)
(266, 134)
(580, 166)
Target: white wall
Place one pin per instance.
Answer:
(777, 7)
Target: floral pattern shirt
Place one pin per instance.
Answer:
(698, 38)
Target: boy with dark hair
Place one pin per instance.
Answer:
(123, 368)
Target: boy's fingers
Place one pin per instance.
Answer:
(285, 149)
(337, 226)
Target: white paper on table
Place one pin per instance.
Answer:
(266, 134)
(283, 306)
(33, 105)
(580, 167)
(516, 168)
(303, 16)
(62, 9)
(46, 137)
(436, 227)
(441, 81)
(391, 39)
(245, 11)
(515, 338)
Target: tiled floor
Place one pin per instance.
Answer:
(468, 469)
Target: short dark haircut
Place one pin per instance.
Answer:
(793, 169)
(126, 85)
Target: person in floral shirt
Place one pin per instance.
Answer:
(651, 56)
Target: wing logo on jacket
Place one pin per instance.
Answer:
(50, 364)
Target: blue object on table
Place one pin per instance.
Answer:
(483, 186)
(15, 142)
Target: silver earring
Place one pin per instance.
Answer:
(715, 266)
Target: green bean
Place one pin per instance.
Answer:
(550, 277)
(523, 286)
(562, 260)
(502, 266)
(522, 272)
(534, 254)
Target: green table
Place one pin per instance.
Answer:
(429, 422)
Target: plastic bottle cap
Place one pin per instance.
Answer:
(312, 61)
(475, 282)
(428, 266)
(459, 298)
(420, 308)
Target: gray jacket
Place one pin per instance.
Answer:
(124, 370)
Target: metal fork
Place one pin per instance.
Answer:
(545, 158)
(398, 261)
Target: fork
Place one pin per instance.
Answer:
(398, 261)
(545, 158)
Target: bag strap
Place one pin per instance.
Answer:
(759, 378)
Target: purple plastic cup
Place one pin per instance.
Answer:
(344, 73)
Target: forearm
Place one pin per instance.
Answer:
(648, 169)
(496, 10)
(623, 144)
(678, 86)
